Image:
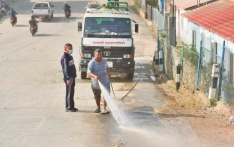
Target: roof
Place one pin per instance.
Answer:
(185, 4)
(217, 17)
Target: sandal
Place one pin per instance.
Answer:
(97, 110)
(105, 112)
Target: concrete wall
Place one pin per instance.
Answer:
(183, 25)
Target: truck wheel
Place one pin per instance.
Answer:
(83, 75)
(130, 75)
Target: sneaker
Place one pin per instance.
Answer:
(71, 110)
(75, 109)
(105, 112)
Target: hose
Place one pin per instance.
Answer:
(139, 77)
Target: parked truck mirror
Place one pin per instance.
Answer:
(136, 28)
(79, 26)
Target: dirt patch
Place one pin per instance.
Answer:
(210, 124)
(118, 144)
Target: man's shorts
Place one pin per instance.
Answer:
(97, 93)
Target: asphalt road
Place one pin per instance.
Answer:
(32, 109)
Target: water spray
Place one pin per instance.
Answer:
(118, 114)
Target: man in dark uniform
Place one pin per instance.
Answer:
(69, 72)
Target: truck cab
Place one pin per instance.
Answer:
(92, 6)
(43, 10)
(109, 29)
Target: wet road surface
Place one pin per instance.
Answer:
(32, 90)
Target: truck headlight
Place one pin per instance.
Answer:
(87, 55)
(127, 56)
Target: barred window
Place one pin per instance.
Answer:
(203, 40)
(194, 36)
(214, 50)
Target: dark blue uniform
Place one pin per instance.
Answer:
(69, 72)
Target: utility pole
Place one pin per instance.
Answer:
(173, 11)
(172, 27)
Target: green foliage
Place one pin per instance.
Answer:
(189, 54)
(179, 48)
(162, 36)
(205, 72)
(230, 87)
(205, 75)
(153, 3)
(213, 102)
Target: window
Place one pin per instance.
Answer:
(107, 27)
(214, 50)
(193, 36)
(41, 6)
(92, 6)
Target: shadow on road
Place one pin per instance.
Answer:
(85, 111)
(60, 20)
(46, 35)
(22, 26)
